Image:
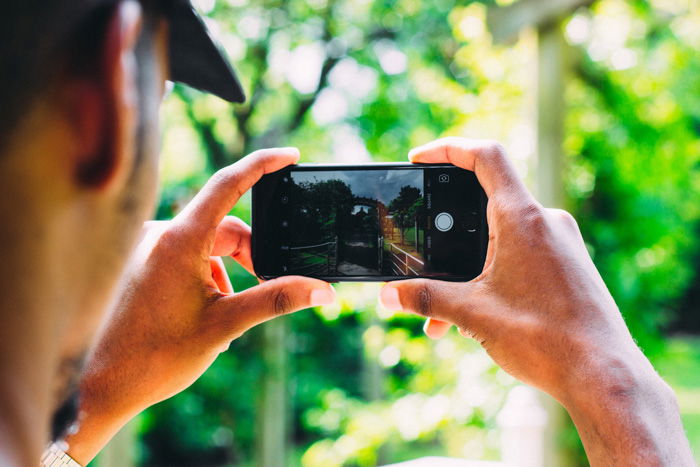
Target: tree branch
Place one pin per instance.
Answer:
(215, 150)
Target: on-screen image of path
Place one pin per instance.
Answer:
(349, 269)
(359, 257)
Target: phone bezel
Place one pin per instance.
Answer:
(257, 221)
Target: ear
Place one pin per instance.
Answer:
(106, 105)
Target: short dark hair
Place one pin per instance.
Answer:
(42, 39)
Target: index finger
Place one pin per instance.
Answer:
(223, 190)
(487, 159)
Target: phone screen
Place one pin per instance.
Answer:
(373, 222)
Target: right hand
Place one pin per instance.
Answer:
(177, 310)
(539, 308)
(544, 314)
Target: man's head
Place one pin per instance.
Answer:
(81, 82)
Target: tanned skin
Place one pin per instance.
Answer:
(544, 314)
(74, 247)
(73, 211)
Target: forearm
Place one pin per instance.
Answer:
(630, 418)
(101, 417)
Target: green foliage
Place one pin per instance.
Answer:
(360, 80)
(680, 366)
(434, 399)
(405, 207)
(634, 180)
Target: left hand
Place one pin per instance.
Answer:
(177, 310)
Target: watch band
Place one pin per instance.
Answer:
(54, 456)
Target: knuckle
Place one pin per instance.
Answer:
(566, 218)
(221, 175)
(451, 141)
(264, 152)
(256, 154)
(281, 302)
(519, 214)
(261, 156)
(424, 298)
(532, 217)
(500, 210)
(486, 149)
(494, 149)
(564, 222)
(169, 237)
(229, 179)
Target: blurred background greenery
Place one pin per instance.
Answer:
(366, 80)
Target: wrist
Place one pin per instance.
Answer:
(626, 414)
(600, 377)
(619, 388)
(102, 413)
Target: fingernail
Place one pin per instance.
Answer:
(390, 298)
(320, 297)
(426, 327)
(435, 329)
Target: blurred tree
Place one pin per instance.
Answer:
(405, 208)
(343, 79)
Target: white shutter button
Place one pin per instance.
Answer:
(444, 222)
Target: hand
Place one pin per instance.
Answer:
(543, 313)
(176, 309)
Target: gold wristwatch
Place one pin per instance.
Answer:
(54, 456)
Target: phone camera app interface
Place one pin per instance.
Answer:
(366, 223)
(354, 223)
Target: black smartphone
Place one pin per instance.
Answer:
(374, 222)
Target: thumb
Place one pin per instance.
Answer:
(450, 302)
(238, 313)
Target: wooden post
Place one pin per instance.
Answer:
(505, 24)
(373, 374)
(271, 439)
(523, 421)
(551, 113)
(415, 235)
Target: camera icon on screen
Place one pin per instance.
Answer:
(444, 178)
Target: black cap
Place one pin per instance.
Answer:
(195, 57)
